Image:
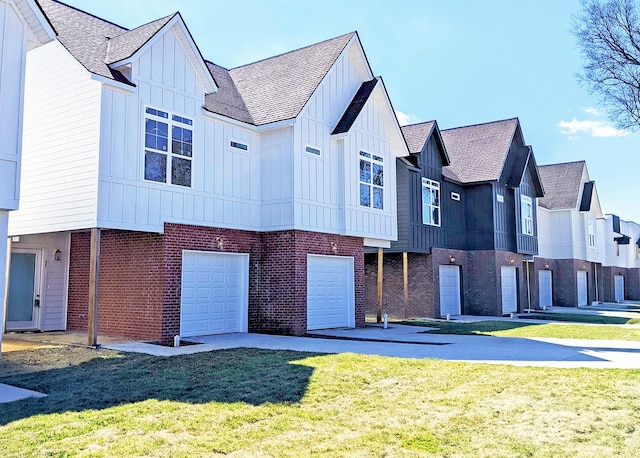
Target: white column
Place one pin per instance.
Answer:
(4, 262)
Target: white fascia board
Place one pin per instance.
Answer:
(40, 30)
(209, 83)
(261, 128)
(113, 83)
(400, 145)
(276, 125)
(377, 243)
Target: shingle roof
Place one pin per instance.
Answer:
(266, 91)
(127, 43)
(355, 107)
(562, 185)
(227, 101)
(85, 36)
(277, 88)
(478, 152)
(416, 135)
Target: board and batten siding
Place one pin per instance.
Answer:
(276, 176)
(526, 244)
(318, 180)
(60, 146)
(225, 182)
(13, 47)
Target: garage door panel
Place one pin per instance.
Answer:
(449, 281)
(545, 288)
(582, 287)
(509, 285)
(214, 293)
(618, 285)
(330, 292)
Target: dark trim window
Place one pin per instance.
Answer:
(526, 208)
(238, 145)
(371, 180)
(168, 148)
(430, 202)
(312, 150)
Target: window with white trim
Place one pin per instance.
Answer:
(592, 235)
(238, 145)
(526, 210)
(168, 148)
(371, 180)
(430, 202)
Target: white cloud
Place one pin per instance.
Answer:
(592, 111)
(405, 119)
(593, 128)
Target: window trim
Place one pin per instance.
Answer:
(169, 118)
(431, 185)
(372, 159)
(232, 147)
(526, 200)
(591, 235)
(312, 154)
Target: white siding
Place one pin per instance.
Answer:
(277, 179)
(13, 46)
(55, 274)
(60, 148)
(225, 189)
(326, 187)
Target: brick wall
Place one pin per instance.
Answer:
(141, 276)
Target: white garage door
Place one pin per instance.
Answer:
(618, 284)
(509, 289)
(545, 288)
(582, 288)
(215, 295)
(449, 290)
(330, 292)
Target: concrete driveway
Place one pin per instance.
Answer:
(410, 342)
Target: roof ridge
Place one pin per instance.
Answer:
(168, 18)
(418, 123)
(87, 14)
(581, 161)
(294, 50)
(481, 124)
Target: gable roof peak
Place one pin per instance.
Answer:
(277, 56)
(125, 44)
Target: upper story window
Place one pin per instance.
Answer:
(592, 235)
(168, 148)
(526, 208)
(238, 145)
(371, 180)
(430, 202)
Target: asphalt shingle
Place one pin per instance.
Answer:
(562, 185)
(478, 152)
(416, 135)
(127, 43)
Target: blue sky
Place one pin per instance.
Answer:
(457, 61)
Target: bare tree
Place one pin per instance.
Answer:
(608, 35)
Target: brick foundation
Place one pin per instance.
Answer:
(141, 273)
(564, 280)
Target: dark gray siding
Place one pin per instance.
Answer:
(526, 244)
(479, 207)
(404, 204)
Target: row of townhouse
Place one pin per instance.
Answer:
(482, 230)
(163, 195)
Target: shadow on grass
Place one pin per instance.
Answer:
(468, 329)
(252, 376)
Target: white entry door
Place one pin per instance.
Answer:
(330, 292)
(23, 298)
(618, 285)
(545, 288)
(582, 288)
(215, 293)
(449, 290)
(509, 289)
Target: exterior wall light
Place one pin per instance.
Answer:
(334, 247)
(57, 256)
(584, 267)
(452, 259)
(546, 265)
(511, 261)
(219, 242)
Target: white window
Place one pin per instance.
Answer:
(238, 145)
(168, 148)
(312, 150)
(592, 235)
(526, 208)
(371, 180)
(430, 202)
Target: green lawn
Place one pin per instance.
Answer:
(523, 329)
(575, 318)
(274, 403)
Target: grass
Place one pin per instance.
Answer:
(522, 329)
(272, 403)
(575, 318)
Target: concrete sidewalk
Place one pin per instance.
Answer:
(411, 342)
(10, 393)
